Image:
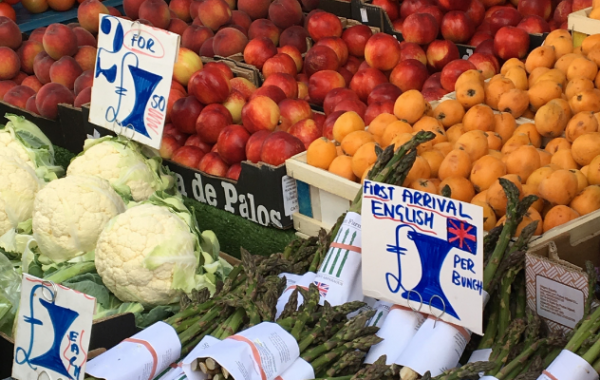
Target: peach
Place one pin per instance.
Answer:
(242, 85)
(5, 86)
(285, 82)
(10, 35)
(292, 111)
(279, 146)
(61, 5)
(184, 114)
(65, 71)
(356, 38)
(231, 144)
(194, 10)
(9, 63)
(264, 28)
(274, 93)
(346, 74)
(211, 121)
(409, 75)
(19, 77)
(353, 64)
(234, 103)
(85, 80)
(177, 26)
(35, 6)
(88, 14)
(306, 131)
(258, 50)
(319, 58)
(84, 37)
(285, 13)
(38, 34)
(194, 36)
(260, 113)
(86, 57)
(50, 96)
(32, 82)
(18, 95)
(174, 95)
(221, 67)
(254, 8)
(214, 13)
(324, 24)
(385, 92)
(114, 12)
(375, 109)
(209, 86)
(382, 52)
(59, 41)
(295, 36)
(410, 50)
(440, 53)
(338, 46)
(206, 50)
(294, 53)
(321, 83)
(364, 81)
(242, 19)
(420, 28)
(157, 12)
(329, 123)
(181, 8)
(229, 41)
(279, 63)
(27, 53)
(335, 96)
(188, 62)
(30, 105)
(84, 97)
(352, 105)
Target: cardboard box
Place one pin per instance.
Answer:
(106, 333)
(582, 25)
(557, 284)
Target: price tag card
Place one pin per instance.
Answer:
(423, 251)
(53, 331)
(132, 81)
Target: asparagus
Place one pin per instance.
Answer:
(310, 304)
(467, 371)
(348, 359)
(505, 292)
(362, 343)
(511, 338)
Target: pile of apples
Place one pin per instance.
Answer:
(55, 64)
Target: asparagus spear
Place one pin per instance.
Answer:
(347, 360)
(310, 304)
(511, 338)
(505, 292)
(362, 343)
(467, 371)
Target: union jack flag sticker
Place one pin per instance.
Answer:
(323, 288)
(462, 235)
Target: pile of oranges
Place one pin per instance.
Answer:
(535, 124)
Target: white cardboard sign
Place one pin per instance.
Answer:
(132, 80)
(53, 331)
(420, 248)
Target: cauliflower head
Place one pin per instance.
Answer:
(70, 213)
(148, 254)
(11, 147)
(121, 163)
(18, 188)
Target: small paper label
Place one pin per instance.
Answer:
(488, 378)
(482, 355)
(141, 357)
(290, 195)
(338, 277)
(54, 325)
(569, 366)
(364, 15)
(299, 370)
(558, 302)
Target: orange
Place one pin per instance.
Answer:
(505, 125)
(363, 158)
(489, 217)
(457, 163)
(454, 132)
(321, 153)
(587, 201)
(355, 140)
(564, 159)
(581, 123)
(582, 181)
(557, 144)
(420, 169)
(497, 198)
(410, 106)
(392, 130)
(345, 124)
(532, 190)
(342, 166)
(559, 215)
(538, 175)
(425, 185)
(545, 157)
(494, 141)
(449, 112)
(517, 140)
(560, 187)
(460, 188)
(529, 129)
(434, 158)
(486, 171)
(474, 143)
(586, 147)
(593, 172)
(523, 161)
(378, 124)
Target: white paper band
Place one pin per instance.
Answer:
(299, 370)
(569, 366)
(482, 355)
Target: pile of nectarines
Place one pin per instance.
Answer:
(481, 135)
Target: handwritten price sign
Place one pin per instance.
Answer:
(132, 80)
(426, 253)
(53, 331)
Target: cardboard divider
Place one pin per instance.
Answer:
(582, 25)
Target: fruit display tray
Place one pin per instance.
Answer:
(582, 25)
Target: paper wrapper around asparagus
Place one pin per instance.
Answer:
(436, 347)
(301, 281)
(339, 278)
(488, 378)
(299, 370)
(397, 331)
(382, 309)
(569, 366)
(261, 352)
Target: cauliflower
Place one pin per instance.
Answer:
(18, 188)
(123, 164)
(11, 147)
(70, 213)
(152, 253)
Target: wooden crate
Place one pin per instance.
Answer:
(582, 26)
(322, 196)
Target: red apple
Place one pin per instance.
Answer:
(306, 131)
(213, 164)
(323, 24)
(561, 13)
(280, 146)
(231, 144)
(581, 4)
(322, 82)
(511, 42)
(452, 71)
(195, 140)
(168, 146)
(397, 25)
(335, 96)
(434, 81)
(476, 12)
(440, 53)
(455, 5)
(295, 36)
(457, 27)
(320, 58)
(542, 8)
(254, 145)
(260, 113)
(409, 7)
(347, 75)
(234, 172)
(533, 24)
(503, 16)
(319, 119)
(274, 93)
(184, 114)
(409, 75)
(479, 37)
(383, 93)
(258, 51)
(351, 105)
(433, 94)
(356, 38)
(353, 64)
(187, 155)
(280, 63)
(435, 11)
(420, 28)
(211, 122)
(364, 81)
(389, 6)
(382, 51)
(486, 47)
(486, 63)
(175, 133)
(292, 111)
(409, 50)
(338, 46)
(329, 122)
(376, 109)
(209, 86)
